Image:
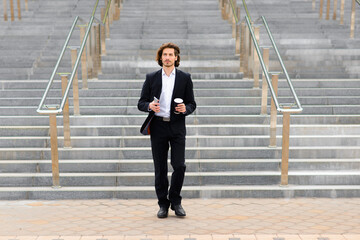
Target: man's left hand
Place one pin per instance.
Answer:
(180, 108)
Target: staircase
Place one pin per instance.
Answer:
(227, 140)
(207, 48)
(310, 47)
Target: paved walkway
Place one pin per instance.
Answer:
(208, 219)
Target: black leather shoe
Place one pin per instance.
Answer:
(179, 211)
(163, 212)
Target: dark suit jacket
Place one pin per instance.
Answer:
(183, 88)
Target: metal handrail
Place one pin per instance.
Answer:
(107, 11)
(95, 7)
(246, 9)
(55, 69)
(73, 73)
(233, 10)
(66, 93)
(53, 110)
(287, 109)
(299, 109)
(358, 2)
(263, 66)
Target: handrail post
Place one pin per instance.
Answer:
(89, 56)
(227, 3)
(285, 148)
(233, 26)
(102, 34)
(266, 53)
(107, 27)
(222, 7)
(98, 49)
(273, 114)
(12, 10)
(26, 5)
(251, 57)
(93, 52)
(335, 9)
(321, 8)
(256, 61)
(66, 114)
(19, 9)
(5, 11)
(111, 12)
(230, 12)
(342, 7)
(227, 11)
(54, 149)
(242, 48)
(352, 25)
(328, 10)
(237, 41)
(117, 10)
(233, 21)
(75, 83)
(247, 42)
(313, 4)
(83, 60)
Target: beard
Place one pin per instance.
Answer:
(168, 64)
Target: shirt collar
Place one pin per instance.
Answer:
(171, 74)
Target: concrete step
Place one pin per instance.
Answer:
(213, 191)
(192, 178)
(191, 140)
(203, 92)
(132, 179)
(98, 120)
(200, 110)
(300, 43)
(214, 83)
(142, 165)
(192, 152)
(155, 43)
(204, 75)
(207, 130)
(323, 54)
(210, 51)
(112, 67)
(144, 55)
(116, 76)
(140, 35)
(192, 165)
(201, 101)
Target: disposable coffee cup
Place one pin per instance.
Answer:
(177, 102)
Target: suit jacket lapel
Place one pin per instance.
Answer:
(175, 84)
(157, 93)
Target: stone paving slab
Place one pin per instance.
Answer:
(188, 237)
(210, 219)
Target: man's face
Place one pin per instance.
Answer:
(168, 57)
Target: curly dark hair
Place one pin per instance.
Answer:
(168, 45)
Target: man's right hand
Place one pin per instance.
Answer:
(154, 106)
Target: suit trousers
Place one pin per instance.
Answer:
(162, 134)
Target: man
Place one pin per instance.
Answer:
(168, 125)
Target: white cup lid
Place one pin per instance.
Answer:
(178, 100)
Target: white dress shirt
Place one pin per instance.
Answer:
(167, 89)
